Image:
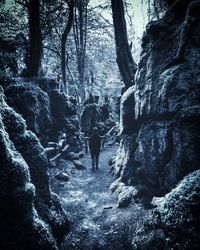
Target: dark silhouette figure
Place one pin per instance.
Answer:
(95, 146)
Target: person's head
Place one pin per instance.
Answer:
(95, 131)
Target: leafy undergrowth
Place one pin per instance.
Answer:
(97, 222)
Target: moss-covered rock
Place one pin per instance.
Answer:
(20, 225)
(160, 114)
(64, 118)
(33, 104)
(46, 113)
(177, 213)
(175, 217)
(23, 161)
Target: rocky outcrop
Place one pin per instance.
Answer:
(160, 113)
(28, 202)
(96, 115)
(32, 103)
(47, 111)
(175, 222)
(64, 118)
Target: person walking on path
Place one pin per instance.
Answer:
(95, 143)
(95, 147)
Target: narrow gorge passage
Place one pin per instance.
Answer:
(119, 74)
(97, 222)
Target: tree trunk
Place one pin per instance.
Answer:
(63, 43)
(126, 64)
(80, 37)
(35, 39)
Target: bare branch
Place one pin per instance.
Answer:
(53, 50)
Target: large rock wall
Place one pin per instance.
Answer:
(174, 223)
(31, 214)
(160, 115)
(32, 103)
(47, 111)
(64, 118)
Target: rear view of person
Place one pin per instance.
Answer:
(95, 146)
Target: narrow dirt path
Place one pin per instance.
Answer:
(97, 222)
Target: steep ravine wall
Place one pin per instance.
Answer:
(160, 114)
(31, 215)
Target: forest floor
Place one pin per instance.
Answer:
(96, 220)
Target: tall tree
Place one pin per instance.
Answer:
(80, 37)
(64, 40)
(35, 39)
(126, 64)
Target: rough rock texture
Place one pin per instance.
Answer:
(125, 193)
(96, 115)
(175, 221)
(39, 210)
(47, 111)
(160, 114)
(61, 176)
(17, 194)
(32, 103)
(64, 118)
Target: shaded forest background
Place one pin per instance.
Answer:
(70, 42)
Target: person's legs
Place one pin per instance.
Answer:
(97, 160)
(93, 160)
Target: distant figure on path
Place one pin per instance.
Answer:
(95, 147)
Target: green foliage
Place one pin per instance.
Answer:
(13, 21)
